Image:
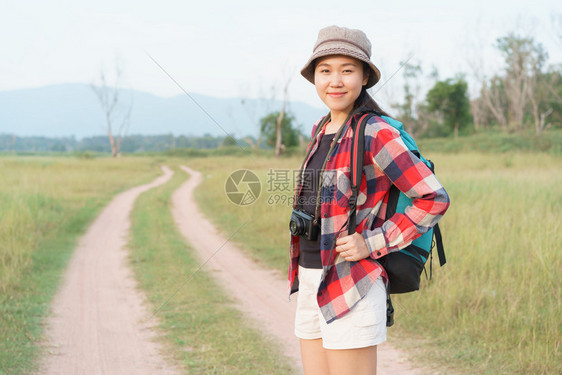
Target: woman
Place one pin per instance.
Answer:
(341, 307)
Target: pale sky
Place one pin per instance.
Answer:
(243, 48)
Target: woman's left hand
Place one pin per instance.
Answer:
(352, 248)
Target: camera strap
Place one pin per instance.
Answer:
(321, 125)
(298, 184)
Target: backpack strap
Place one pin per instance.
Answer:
(439, 244)
(356, 168)
(356, 173)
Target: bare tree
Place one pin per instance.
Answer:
(490, 103)
(507, 95)
(524, 60)
(267, 102)
(480, 113)
(492, 97)
(278, 142)
(409, 111)
(543, 87)
(543, 95)
(517, 57)
(117, 120)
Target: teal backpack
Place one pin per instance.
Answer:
(404, 267)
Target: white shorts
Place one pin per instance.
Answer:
(364, 325)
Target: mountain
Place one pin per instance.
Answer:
(74, 110)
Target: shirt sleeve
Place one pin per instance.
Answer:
(411, 176)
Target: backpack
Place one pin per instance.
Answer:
(404, 267)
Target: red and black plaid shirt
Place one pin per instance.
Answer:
(387, 161)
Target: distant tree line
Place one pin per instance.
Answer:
(525, 96)
(130, 144)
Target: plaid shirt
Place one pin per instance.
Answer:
(387, 161)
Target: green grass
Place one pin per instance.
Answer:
(491, 142)
(46, 204)
(201, 327)
(267, 219)
(497, 305)
(495, 308)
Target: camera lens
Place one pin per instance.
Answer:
(296, 226)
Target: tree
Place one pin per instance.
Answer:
(481, 114)
(408, 112)
(449, 100)
(265, 101)
(554, 86)
(116, 117)
(279, 121)
(545, 97)
(493, 96)
(229, 141)
(524, 60)
(269, 130)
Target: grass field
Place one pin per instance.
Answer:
(495, 308)
(45, 205)
(497, 142)
(202, 328)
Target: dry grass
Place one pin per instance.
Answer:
(496, 306)
(45, 205)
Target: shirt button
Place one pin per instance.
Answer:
(325, 215)
(325, 243)
(378, 253)
(328, 158)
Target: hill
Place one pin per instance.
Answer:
(73, 110)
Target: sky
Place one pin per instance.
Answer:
(250, 48)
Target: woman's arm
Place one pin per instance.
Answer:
(411, 176)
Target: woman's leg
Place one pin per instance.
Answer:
(362, 361)
(314, 361)
(352, 340)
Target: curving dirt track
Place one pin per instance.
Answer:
(260, 293)
(97, 322)
(100, 324)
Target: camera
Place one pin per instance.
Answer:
(302, 224)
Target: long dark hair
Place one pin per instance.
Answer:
(365, 102)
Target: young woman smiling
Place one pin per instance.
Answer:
(341, 307)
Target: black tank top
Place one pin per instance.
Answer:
(310, 250)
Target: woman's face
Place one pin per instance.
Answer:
(339, 80)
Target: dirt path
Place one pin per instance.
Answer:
(96, 324)
(260, 293)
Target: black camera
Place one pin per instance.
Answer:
(302, 224)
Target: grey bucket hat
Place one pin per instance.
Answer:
(335, 40)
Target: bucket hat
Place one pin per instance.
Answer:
(335, 40)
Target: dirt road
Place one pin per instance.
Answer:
(99, 320)
(96, 324)
(260, 293)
